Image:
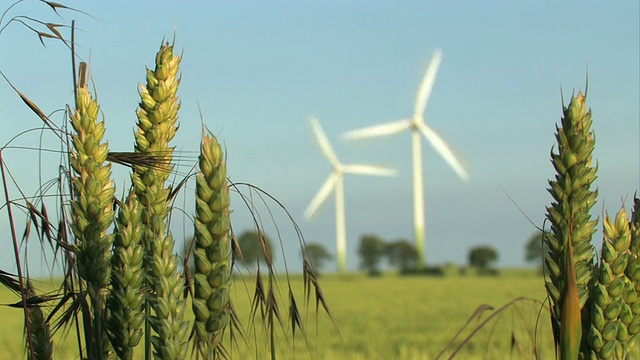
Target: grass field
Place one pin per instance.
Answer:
(388, 317)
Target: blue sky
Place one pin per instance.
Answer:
(260, 70)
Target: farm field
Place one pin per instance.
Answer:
(389, 317)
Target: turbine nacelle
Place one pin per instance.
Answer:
(417, 123)
(338, 170)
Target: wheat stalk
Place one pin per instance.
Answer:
(569, 261)
(157, 118)
(126, 300)
(92, 206)
(212, 248)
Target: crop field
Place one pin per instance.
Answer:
(125, 293)
(388, 317)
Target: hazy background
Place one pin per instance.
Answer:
(260, 70)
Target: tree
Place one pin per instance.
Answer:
(371, 251)
(402, 254)
(482, 256)
(255, 247)
(317, 255)
(535, 249)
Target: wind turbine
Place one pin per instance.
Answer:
(335, 183)
(418, 128)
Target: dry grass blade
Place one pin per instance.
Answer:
(55, 6)
(237, 251)
(265, 303)
(23, 291)
(10, 281)
(294, 315)
(51, 31)
(516, 346)
(158, 161)
(311, 283)
(34, 301)
(259, 297)
(308, 272)
(45, 225)
(476, 315)
(67, 313)
(34, 108)
(43, 35)
(54, 29)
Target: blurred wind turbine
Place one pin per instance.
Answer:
(418, 128)
(335, 182)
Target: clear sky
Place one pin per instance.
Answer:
(260, 70)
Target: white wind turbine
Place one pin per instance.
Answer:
(418, 128)
(335, 182)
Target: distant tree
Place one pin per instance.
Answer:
(317, 254)
(255, 247)
(402, 254)
(482, 256)
(371, 251)
(535, 249)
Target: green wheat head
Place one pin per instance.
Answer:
(614, 296)
(157, 125)
(569, 262)
(40, 330)
(126, 300)
(594, 307)
(92, 207)
(633, 275)
(212, 248)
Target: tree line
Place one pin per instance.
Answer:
(373, 252)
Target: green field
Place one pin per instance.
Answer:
(388, 317)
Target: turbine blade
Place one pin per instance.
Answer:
(322, 140)
(368, 170)
(424, 91)
(321, 196)
(443, 149)
(379, 130)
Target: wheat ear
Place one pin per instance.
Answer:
(40, 330)
(212, 248)
(631, 292)
(613, 293)
(157, 125)
(92, 207)
(569, 261)
(126, 300)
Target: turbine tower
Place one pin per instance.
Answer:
(418, 129)
(335, 183)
